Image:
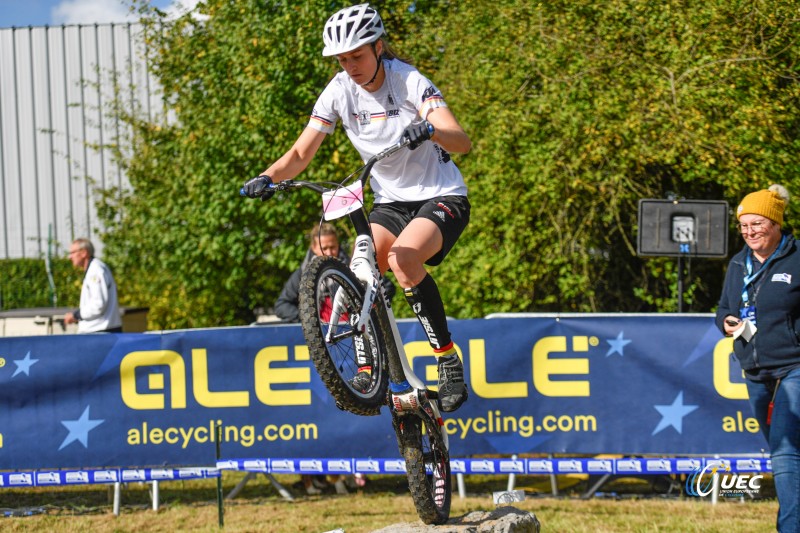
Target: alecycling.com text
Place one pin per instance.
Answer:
(246, 435)
(524, 426)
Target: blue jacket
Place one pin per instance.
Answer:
(776, 296)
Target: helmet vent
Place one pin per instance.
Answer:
(350, 28)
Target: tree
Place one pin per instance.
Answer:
(238, 85)
(579, 109)
(576, 110)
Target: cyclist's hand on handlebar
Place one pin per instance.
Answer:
(258, 187)
(418, 134)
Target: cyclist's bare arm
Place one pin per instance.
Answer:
(298, 157)
(448, 132)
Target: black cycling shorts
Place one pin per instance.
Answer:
(449, 213)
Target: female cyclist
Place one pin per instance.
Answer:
(421, 205)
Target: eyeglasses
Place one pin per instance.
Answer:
(756, 227)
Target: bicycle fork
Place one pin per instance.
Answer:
(363, 265)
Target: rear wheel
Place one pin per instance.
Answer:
(427, 467)
(331, 298)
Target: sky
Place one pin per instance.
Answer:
(23, 13)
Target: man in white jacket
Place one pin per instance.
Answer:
(99, 309)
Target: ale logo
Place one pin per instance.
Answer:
(717, 474)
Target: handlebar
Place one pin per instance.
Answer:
(365, 170)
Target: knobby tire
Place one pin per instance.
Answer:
(336, 361)
(422, 447)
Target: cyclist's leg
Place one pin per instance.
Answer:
(384, 239)
(418, 242)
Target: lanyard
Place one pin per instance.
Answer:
(750, 277)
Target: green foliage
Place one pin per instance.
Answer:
(197, 253)
(576, 111)
(239, 86)
(24, 284)
(579, 109)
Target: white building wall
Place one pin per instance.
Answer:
(56, 129)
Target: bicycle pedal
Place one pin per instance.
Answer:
(432, 394)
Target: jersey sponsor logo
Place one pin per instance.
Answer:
(364, 118)
(431, 92)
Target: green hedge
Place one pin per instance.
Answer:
(23, 283)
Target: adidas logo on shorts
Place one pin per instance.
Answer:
(439, 214)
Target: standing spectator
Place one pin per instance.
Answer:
(99, 308)
(760, 308)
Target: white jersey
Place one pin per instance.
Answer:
(99, 306)
(374, 121)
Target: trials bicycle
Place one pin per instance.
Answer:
(348, 324)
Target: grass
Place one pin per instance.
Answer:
(626, 505)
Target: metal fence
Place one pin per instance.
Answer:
(57, 131)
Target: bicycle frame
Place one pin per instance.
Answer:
(408, 393)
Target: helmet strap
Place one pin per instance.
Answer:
(377, 68)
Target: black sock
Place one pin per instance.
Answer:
(426, 303)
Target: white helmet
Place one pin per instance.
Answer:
(351, 27)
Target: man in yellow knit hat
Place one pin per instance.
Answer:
(760, 308)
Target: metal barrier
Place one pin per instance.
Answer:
(115, 476)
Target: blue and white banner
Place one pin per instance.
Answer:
(632, 385)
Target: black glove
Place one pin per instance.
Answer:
(417, 134)
(259, 187)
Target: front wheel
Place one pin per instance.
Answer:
(331, 298)
(427, 467)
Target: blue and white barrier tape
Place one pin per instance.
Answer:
(48, 478)
(594, 466)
